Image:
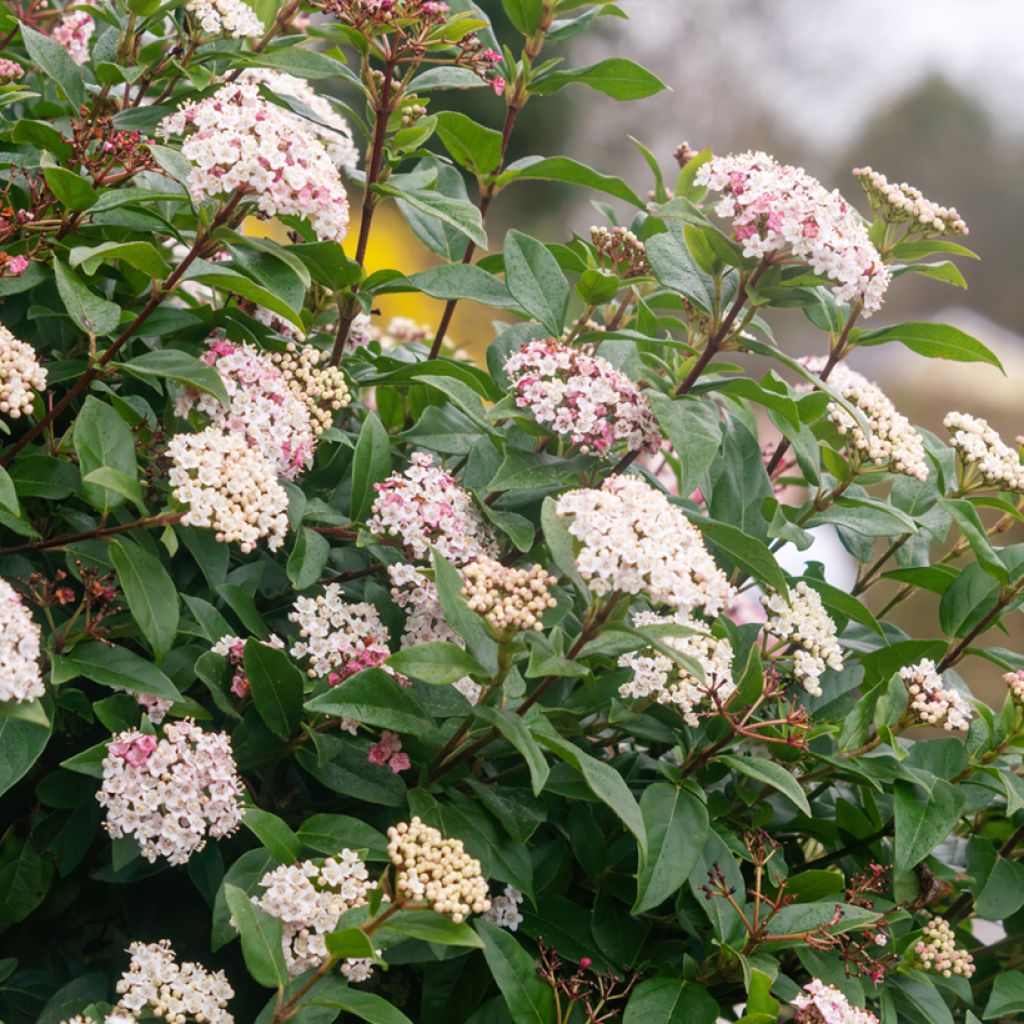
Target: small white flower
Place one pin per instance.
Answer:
(803, 621)
(20, 678)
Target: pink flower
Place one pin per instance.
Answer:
(17, 265)
(388, 752)
(498, 85)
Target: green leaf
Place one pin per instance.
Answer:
(371, 464)
(120, 483)
(55, 63)
(308, 558)
(73, 191)
(102, 439)
(331, 833)
(675, 268)
(535, 280)
(116, 667)
(525, 15)
(460, 214)
(460, 616)
(351, 943)
(277, 686)
(528, 999)
(89, 312)
(670, 1001)
(261, 939)
(436, 662)
(836, 600)
(364, 1006)
(744, 551)
(966, 517)
(428, 926)
(21, 743)
(151, 594)
(571, 172)
(43, 476)
(456, 281)
(616, 77)
(470, 144)
(143, 256)
(676, 823)
(763, 770)
(375, 698)
(604, 782)
(8, 494)
(935, 341)
(218, 275)
(172, 364)
(1007, 995)
(514, 729)
(921, 822)
(560, 544)
(274, 834)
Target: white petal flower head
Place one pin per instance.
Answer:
(824, 1004)
(803, 621)
(20, 375)
(982, 453)
(20, 677)
(227, 17)
(930, 702)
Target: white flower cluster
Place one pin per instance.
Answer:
(263, 408)
(634, 540)
(20, 678)
(425, 506)
(318, 385)
(237, 140)
(424, 619)
(510, 599)
(825, 1004)
(980, 449)
(582, 397)
(780, 210)
(339, 637)
(936, 951)
(903, 202)
(333, 131)
(892, 442)
(73, 32)
(170, 794)
(231, 17)
(504, 912)
(437, 871)
(656, 676)
(1015, 684)
(803, 621)
(930, 702)
(20, 375)
(308, 898)
(228, 487)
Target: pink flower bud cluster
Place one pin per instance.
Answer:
(1015, 683)
(73, 32)
(984, 456)
(10, 70)
(227, 17)
(20, 678)
(424, 507)
(504, 912)
(892, 442)
(333, 131)
(308, 898)
(803, 621)
(824, 1004)
(936, 951)
(237, 140)
(20, 375)
(228, 487)
(657, 677)
(781, 212)
(318, 385)
(437, 871)
(424, 618)
(635, 541)
(262, 408)
(582, 397)
(387, 752)
(930, 702)
(233, 649)
(510, 599)
(902, 202)
(156, 708)
(339, 637)
(171, 794)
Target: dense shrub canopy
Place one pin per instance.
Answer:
(344, 678)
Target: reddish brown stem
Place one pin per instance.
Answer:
(97, 534)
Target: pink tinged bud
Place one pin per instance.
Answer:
(17, 265)
(585, 963)
(498, 85)
(399, 763)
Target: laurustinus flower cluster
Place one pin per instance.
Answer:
(633, 540)
(892, 442)
(228, 487)
(320, 386)
(236, 140)
(387, 753)
(824, 1004)
(10, 70)
(437, 871)
(339, 637)
(504, 912)
(510, 599)
(20, 678)
(171, 794)
(930, 702)
(936, 951)
(308, 898)
(1015, 683)
(902, 203)
(804, 623)
(20, 375)
(424, 507)
(782, 212)
(226, 17)
(620, 250)
(982, 454)
(657, 677)
(73, 32)
(582, 397)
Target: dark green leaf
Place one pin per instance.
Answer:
(151, 594)
(936, 341)
(277, 686)
(536, 281)
(261, 939)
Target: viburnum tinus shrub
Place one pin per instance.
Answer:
(344, 678)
